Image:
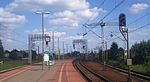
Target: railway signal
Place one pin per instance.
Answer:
(122, 20)
(124, 31)
(47, 39)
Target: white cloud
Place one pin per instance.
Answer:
(22, 5)
(89, 13)
(66, 18)
(64, 22)
(135, 8)
(72, 19)
(64, 14)
(69, 13)
(9, 20)
(33, 5)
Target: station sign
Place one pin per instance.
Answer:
(129, 61)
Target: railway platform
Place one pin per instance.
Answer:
(62, 71)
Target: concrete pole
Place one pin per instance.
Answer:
(53, 42)
(38, 52)
(106, 53)
(58, 50)
(42, 40)
(66, 48)
(103, 45)
(63, 50)
(70, 49)
(129, 57)
(29, 48)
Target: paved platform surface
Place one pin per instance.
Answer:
(67, 73)
(62, 71)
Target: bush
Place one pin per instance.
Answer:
(143, 68)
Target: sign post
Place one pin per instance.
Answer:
(48, 59)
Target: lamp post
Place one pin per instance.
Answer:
(63, 50)
(124, 32)
(53, 44)
(42, 15)
(58, 50)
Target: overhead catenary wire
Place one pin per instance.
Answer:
(93, 33)
(139, 28)
(134, 21)
(100, 6)
(129, 23)
(116, 6)
(148, 24)
(117, 36)
(121, 2)
(95, 12)
(138, 19)
(92, 16)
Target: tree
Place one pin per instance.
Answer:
(24, 54)
(13, 54)
(140, 51)
(1, 50)
(113, 51)
(100, 54)
(121, 53)
(92, 54)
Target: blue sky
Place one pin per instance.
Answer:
(18, 19)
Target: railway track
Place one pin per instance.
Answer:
(135, 74)
(94, 72)
(90, 75)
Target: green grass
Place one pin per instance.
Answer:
(143, 68)
(139, 68)
(120, 64)
(11, 64)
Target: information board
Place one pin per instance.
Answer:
(46, 57)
